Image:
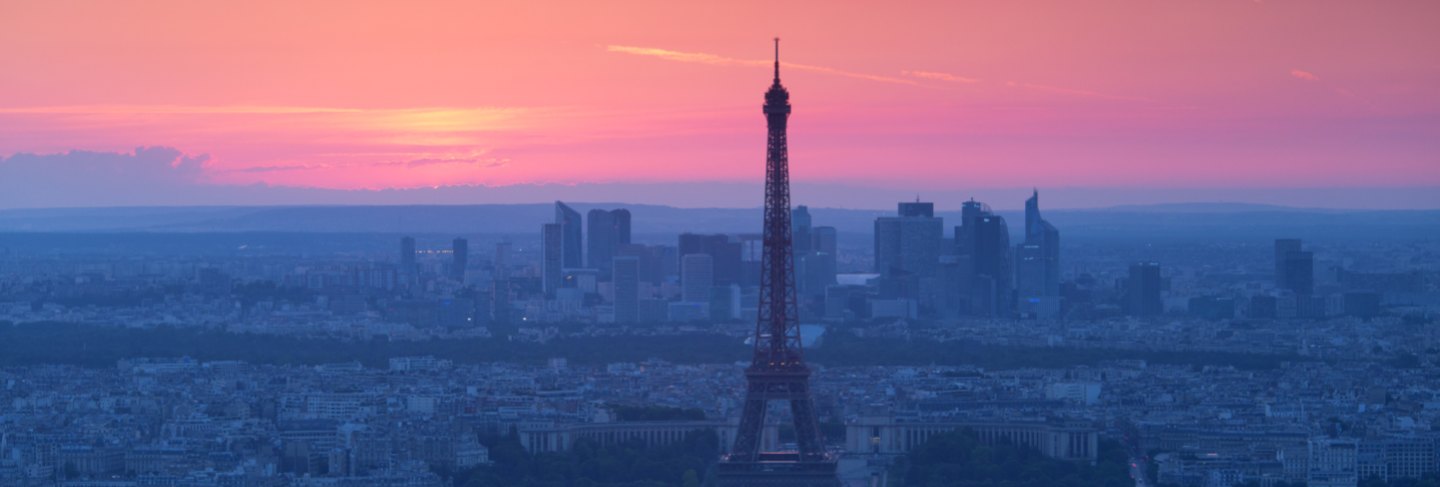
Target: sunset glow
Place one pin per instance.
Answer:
(942, 96)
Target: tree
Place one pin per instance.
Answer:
(960, 459)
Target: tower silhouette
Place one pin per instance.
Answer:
(778, 371)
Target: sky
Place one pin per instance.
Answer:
(1305, 102)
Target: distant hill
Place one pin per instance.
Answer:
(1208, 221)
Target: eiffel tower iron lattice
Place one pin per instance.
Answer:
(778, 371)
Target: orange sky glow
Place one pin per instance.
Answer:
(925, 95)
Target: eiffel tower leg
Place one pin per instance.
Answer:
(807, 428)
(752, 426)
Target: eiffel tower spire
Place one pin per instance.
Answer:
(777, 61)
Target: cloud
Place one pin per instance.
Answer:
(936, 75)
(1074, 92)
(475, 158)
(418, 120)
(717, 60)
(175, 110)
(472, 159)
(304, 145)
(1311, 77)
(145, 176)
(1305, 75)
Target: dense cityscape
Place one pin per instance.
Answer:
(1273, 363)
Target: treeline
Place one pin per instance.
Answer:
(1429, 480)
(587, 464)
(115, 299)
(841, 347)
(960, 459)
(102, 346)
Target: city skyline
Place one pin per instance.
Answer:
(1286, 103)
(487, 244)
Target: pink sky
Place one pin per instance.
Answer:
(943, 96)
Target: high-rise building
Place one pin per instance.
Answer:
(825, 239)
(1283, 246)
(459, 258)
(570, 235)
(502, 260)
(917, 209)
(1037, 262)
(826, 249)
(800, 229)
(720, 248)
(1294, 268)
(991, 266)
(1142, 290)
(970, 213)
(584, 279)
(983, 260)
(697, 276)
(407, 254)
(910, 242)
(1300, 272)
(655, 260)
(500, 287)
(814, 262)
(552, 257)
(608, 230)
(814, 272)
(626, 272)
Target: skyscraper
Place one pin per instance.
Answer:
(570, 235)
(970, 212)
(1037, 262)
(552, 256)
(459, 258)
(825, 239)
(697, 276)
(814, 272)
(992, 265)
(917, 209)
(627, 289)
(500, 287)
(607, 231)
(1294, 268)
(724, 251)
(982, 249)
(910, 242)
(407, 254)
(1300, 272)
(800, 229)
(1142, 290)
(825, 250)
(653, 260)
(1283, 246)
(777, 371)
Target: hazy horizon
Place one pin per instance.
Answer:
(63, 192)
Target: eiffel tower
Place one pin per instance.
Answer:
(778, 371)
